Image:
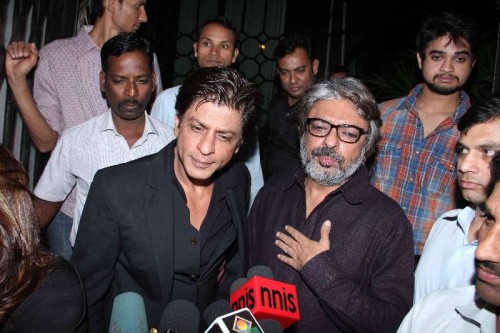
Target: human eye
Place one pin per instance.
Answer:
(350, 132)
(282, 72)
(461, 59)
(225, 137)
(196, 128)
(489, 152)
(462, 150)
(436, 56)
(301, 70)
(118, 81)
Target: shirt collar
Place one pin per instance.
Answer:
(411, 102)
(84, 42)
(107, 124)
(479, 312)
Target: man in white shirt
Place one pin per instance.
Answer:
(216, 45)
(122, 134)
(447, 260)
(474, 308)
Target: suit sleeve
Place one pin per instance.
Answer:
(97, 248)
(382, 306)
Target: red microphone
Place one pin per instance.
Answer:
(267, 299)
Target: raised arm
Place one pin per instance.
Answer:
(21, 58)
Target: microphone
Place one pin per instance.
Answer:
(271, 326)
(180, 316)
(267, 298)
(128, 314)
(237, 284)
(224, 320)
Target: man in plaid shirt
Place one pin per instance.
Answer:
(416, 158)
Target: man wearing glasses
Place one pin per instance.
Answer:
(346, 246)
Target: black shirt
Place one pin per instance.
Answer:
(283, 137)
(364, 283)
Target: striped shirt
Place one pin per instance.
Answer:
(86, 148)
(418, 172)
(66, 87)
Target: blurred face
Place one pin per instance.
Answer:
(128, 85)
(208, 136)
(128, 15)
(215, 46)
(296, 72)
(328, 160)
(488, 251)
(476, 147)
(446, 66)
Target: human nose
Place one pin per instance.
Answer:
(332, 139)
(130, 89)
(293, 77)
(206, 145)
(447, 65)
(467, 163)
(488, 249)
(143, 16)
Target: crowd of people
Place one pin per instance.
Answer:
(176, 202)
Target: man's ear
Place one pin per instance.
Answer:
(235, 55)
(177, 125)
(315, 64)
(109, 5)
(195, 49)
(153, 77)
(238, 146)
(102, 80)
(419, 60)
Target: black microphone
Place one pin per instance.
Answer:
(262, 271)
(224, 320)
(180, 316)
(237, 284)
(271, 326)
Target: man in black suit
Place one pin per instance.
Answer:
(173, 225)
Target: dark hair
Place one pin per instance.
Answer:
(339, 71)
(495, 169)
(97, 9)
(222, 21)
(288, 44)
(484, 110)
(221, 86)
(449, 23)
(346, 88)
(123, 43)
(23, 260)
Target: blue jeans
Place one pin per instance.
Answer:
(57, 235)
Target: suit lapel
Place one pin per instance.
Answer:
(159, 217)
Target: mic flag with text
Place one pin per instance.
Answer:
(128, 314)
(268, 299)
(240, 321)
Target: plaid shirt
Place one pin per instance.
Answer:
(418, 172)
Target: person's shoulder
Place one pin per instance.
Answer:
(59, 48)
(391, 105)
(169, 93)
(451, 297)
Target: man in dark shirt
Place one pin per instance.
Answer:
(346, 246)
(168, 225)
(296, 70)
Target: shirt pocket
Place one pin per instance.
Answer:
(389, 162)
(439, 174)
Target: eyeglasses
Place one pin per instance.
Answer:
(345, 132)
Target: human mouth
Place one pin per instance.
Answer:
(446, 78)
(468, 185)
(487, 275)
(201, 164)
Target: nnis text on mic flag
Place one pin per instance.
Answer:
(268, 299)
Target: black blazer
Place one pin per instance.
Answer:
(125, 237)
